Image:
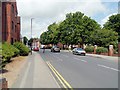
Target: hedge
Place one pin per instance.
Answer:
(24, 51)
(89, 49)
(7, 52)
(100, 50)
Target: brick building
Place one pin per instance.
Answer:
(10, 22)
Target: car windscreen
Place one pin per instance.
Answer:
(80, 49)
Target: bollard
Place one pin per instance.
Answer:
(3, 84)
(95, 47)
(110, 53)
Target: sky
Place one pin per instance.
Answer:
(46, 12)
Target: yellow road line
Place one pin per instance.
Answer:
(57, 76)
(69, 86)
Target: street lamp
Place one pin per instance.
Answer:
(31, 26)
(31, 34)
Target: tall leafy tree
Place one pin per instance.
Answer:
(104, 37)
(53, 33)
(76, 28)
(113, 23)
(25, 40)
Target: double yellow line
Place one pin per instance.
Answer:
(65, 84)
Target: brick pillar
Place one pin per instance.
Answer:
(95, 47)
(111, 51)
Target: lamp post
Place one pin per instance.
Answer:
(31, 34)
(31, 26)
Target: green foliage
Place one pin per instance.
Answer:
(24, 51)
(113, 23)
(104, 38)
(100, 50)
(75, 29)
(15, 50)
(0, 48)
(51, 36)
(8, 51)
(89, 49)
(30, 41)
(25, 40)
(79, 28)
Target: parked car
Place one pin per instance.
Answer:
(36, 49)
(55, 49)
(79, 51)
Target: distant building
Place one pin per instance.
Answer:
(10, 22)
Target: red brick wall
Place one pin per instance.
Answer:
(8, 17)
(18, 29)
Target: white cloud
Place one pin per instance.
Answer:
(103, 21)
(46, 12)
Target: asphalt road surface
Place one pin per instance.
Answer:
(84, 71)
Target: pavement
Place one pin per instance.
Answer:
(35, 74)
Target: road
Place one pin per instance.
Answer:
(83, 71)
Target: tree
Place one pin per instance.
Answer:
(25, 40)
(104, 38)
(53, 33)
(76, 28)
(30, 41)
(113, 23)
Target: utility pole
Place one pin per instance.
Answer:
(31, 35)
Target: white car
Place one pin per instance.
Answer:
(42, 46)
(79, 51)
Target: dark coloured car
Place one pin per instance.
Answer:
(79, 51)
(55, 49)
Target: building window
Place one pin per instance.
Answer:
(12, 41)
(15, 28)
(12, 25)
(12, 9)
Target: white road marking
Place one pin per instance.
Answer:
(25, 77)
(80, 59)
(114, 69)
(59, 59)
(56, 53)
(103, 66)
(64, 55)
(83, 60)
(108, 67)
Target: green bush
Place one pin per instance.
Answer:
(0, 48)
(24, 51)
(100, 50)
(7, 53)
(15, 50)
(89, 49)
